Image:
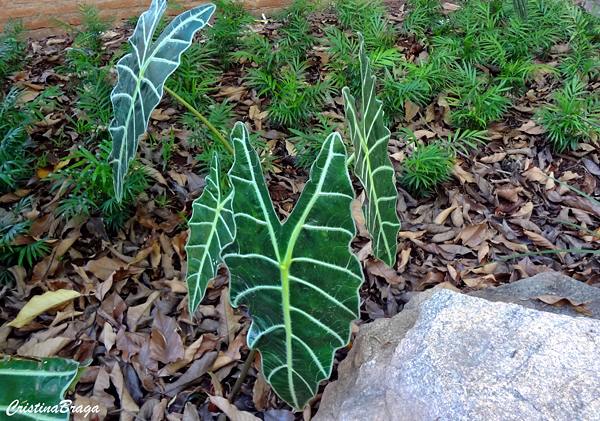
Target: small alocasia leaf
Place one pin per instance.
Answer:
(370, 138)
(29, 381)
(142, 74)
(299, 279)
(212, 227)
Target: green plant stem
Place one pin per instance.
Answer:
(350, 160)
(202, 118)
(238, 384)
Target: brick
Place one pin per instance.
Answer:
(38, 14)
(24, 12)
(271, 3)
(117, 4)
(38, 24)
(59, 10)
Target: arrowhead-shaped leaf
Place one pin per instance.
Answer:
(35, 380)
(142, 74)
(370, 137)
(299, 279)
(212, 227)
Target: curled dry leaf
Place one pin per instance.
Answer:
(166, 345)
(524, 212)
(260, 392)
(231, 410)
(582, 203)
(510, 193)
(535, 174)
(441, 218)
(462, 175)
(473, 235)
(411, 235)
(497, 157)
(378, 268)
(556, 301)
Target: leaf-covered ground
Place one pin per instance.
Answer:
(151, 358)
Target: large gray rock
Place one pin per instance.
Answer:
(527, 293)
(449, 356)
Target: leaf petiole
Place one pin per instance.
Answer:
(201, 117)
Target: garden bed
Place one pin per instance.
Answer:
(494, 118)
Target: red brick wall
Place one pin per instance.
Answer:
(37, 15)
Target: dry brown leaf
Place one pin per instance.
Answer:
(539, 240)
(410, 110)
(228, 321)
(450, 7)
(255, 114)
(535, 174)
(154, 173)
(104, 267)
(404, 256)
(497, 157)
(524, 212)
(42, 303)
(582, 203)
(424, 133)
(260, 392)
(166, 345)
(233, 93)
(378, 268)
(473, 235)
(231, 410)
(135, 313)
(232, 354)
(411, 235)
(357, 215)
(557, 301)
(510, 192)
(14, 196)
(531, 128)
(127, 404)
(441, 218)
(463, 176)
(45, 349)
(91, 402)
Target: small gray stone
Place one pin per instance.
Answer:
(467, 358)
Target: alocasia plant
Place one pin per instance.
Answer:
(142, 74)
(299, 279)
(370, 137)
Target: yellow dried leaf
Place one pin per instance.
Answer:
(42, 303)
(441, 218)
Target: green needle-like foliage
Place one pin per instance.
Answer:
(574, 117)
(428, 166)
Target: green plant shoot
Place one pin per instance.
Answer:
(142, 75)
(370, 137)
(212, 228)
